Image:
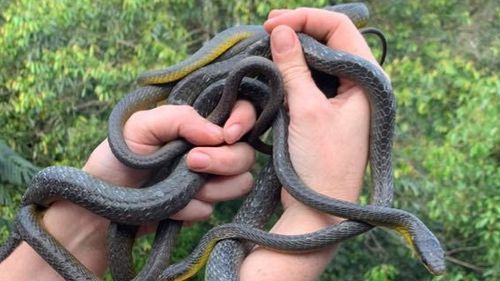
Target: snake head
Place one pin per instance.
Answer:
(424, 244)
(431, 254)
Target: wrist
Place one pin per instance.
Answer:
(268, 264)
(347, 192)
(81, 232)
(298, 218)
(105, 166)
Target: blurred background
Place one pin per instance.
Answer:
(65, 64)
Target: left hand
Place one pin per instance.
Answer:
(218, 152)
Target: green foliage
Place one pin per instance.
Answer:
(60, 64)
(15, 172)
(13, 168)
(382, 272)
(64, 64)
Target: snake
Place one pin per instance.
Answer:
(410, 227)
(233, 49)
(361, 218)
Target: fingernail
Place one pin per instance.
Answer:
(198, 160)
(283, 39)
(233, 133)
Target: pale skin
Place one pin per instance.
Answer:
(338, 127)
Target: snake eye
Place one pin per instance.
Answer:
(432, 256)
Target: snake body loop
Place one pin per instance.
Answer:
(379, 92)
(219, 44)
(120, 251)
(151, 204)
(225, 260)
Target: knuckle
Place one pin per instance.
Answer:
(343, 18)
(247, 184)
(237, 159)
(137, 117)
(303, 10)
(242, 112)
(229, 160)
(135, 122)
(185, 110)
(345, 22)
(204, 211)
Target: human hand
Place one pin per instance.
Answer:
(328, 138)
(84, 233)
(146, 131)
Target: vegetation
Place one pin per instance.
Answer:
(64, 64)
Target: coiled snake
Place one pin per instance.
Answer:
(212, 79)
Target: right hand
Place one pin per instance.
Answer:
(328, 138)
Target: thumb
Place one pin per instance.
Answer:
(301, 91)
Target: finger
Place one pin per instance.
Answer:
(104, 165)
(225, 188)
(224, 160)
(195, 210)
(277, 12)
(301, 91)
(240, 121)
(335, 29)
(146, 130)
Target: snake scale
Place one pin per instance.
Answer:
(234, 64)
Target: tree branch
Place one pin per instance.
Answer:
(465, 264)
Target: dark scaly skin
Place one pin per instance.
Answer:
(382, 104)
(287, 243)
(118, 204)
(209, 52)
(400, 219)
(33, 232)
(358, 13)
(184, 92)
(379, 91)
(141, 99)
(28, 221)
(120, 258)
(225, 260)
(188, 89)
(144, 98)
(10, 245)
(381, 37)
(56, 183)
(121, 237)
